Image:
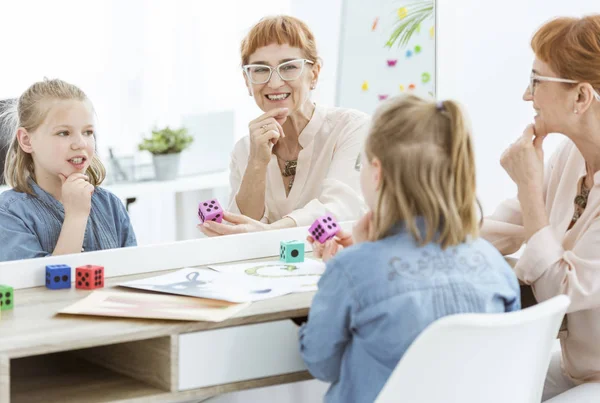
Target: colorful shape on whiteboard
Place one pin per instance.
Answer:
(432, 32)
(392, 62)
(401, 88)
(412, 87)
(418, 29)
(431, 94)
(418, 49)
(365, 85)
(375, 22)
(409, 53)
(402, 13)
(425, 78)
(382, 97)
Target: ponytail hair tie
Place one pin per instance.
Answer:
(440, 106)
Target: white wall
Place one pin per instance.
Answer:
(484, 61)
(323, 18)
(141, 62)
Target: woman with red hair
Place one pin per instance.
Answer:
(557, 210)
(298, 161)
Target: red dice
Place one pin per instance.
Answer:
(89, 277)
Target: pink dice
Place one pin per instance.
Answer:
(324, 228)
(210, 210)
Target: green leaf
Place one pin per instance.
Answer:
(166, 141)
(418, 12)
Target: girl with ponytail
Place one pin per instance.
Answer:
(414, 258)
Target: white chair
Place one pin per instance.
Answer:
(479, 358)
(586, 393)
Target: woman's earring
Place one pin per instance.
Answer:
(576, 111)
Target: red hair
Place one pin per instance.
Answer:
(282, 30)
(571, 47)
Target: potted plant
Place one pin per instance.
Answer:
(418, 11)
(166, 146)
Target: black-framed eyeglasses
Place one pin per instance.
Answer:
(287, 71)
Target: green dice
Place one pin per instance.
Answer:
(7, 297)
(291, 251)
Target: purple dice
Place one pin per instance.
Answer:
(210, 210)
(324, 228)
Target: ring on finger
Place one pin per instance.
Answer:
(264, 127)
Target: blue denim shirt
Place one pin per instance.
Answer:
(30, 225)
(375, 298)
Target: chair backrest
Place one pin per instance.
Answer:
(5, 137)
(474, 358)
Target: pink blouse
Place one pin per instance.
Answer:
(558, 260)
(326, 181)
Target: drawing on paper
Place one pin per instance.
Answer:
(277, 271)
(206, 283)
(298, 277)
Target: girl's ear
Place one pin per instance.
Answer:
(376, 165)
(24, 138)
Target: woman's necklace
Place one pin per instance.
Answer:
(289, 169)
(580, 201)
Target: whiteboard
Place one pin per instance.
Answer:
(368, 71)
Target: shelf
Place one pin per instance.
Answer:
(64, 377)
(203, 181)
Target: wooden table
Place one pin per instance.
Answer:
(46, 357)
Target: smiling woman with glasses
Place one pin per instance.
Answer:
(556, 213)
(298, 161)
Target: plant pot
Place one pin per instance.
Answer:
(166, 166)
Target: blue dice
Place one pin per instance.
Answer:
(58, 276)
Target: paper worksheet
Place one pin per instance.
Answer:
(206, 283)
(299, 277)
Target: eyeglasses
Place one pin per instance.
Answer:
(534, 79)
(288, 71)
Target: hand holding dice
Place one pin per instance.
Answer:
(326, 246)
(324, 228)
(212, 215)
(323, 236)
(210, 210)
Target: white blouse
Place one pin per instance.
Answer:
(326, 179)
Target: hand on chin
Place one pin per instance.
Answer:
(282, 117)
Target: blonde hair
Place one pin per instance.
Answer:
(280, 29)
(29, 112)
(428, 170)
